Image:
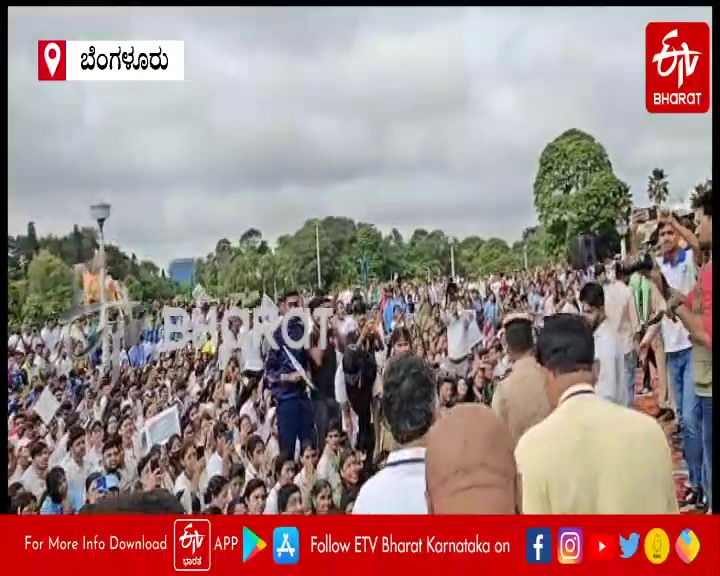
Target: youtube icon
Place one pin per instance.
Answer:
(602, 547)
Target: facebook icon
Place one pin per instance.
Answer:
(538, 546)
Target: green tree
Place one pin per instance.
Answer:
(576, 191)
(350, 253)
(658, 188)
(701, 189)
(49, 288)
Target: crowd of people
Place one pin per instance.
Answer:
(513, 394)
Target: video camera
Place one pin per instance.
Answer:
(643, 265)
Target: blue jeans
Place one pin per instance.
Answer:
(630, 375)
(689, 411)
(706, 427)
(295, 423)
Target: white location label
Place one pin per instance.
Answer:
(52, 57)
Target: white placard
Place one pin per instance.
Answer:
(46, 406)
(161, 427)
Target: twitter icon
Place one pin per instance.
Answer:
(629, 546)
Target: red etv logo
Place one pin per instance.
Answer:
(192, 546)
(603, 547)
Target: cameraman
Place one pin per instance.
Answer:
(649, 303)
(677, 265)
(695, 313)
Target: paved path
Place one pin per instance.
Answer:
(649, 405)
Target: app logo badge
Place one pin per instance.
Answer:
(677, 67)
(687, 546)
(192, 545)
(657, 546)
(252, 544)
(570, 546)
(286, 545)
(602, 547)
(538, 545)
(628, 546)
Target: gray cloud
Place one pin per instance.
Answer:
(431, 117)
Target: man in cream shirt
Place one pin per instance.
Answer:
(589, 456)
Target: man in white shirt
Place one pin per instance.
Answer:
(622, 317)
(218, 464)
(409, 404)
(77, 467)
(608, 350)
(33, 479)
(459, 337)
(678, 267)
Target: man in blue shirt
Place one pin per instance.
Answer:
(294, 409)
(389, 313)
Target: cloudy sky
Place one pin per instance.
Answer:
(427, 117)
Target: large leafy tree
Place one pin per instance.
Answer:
(45, 292)
(576, 191)
(658, 188)
(40, 288)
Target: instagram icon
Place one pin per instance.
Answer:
(570, 546)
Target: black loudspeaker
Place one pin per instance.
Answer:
(583, 252)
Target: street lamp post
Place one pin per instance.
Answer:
(100, 213)
(622, 230)
(364, 263)
(317, 254)
(452, 260)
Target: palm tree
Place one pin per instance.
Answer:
(703, 187)
(658, 187)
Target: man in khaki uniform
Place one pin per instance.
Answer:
(520, 399)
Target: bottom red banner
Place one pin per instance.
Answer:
(359, 544)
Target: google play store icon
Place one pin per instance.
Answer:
(252, 544)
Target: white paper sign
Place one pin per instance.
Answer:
(46, 406)
(161, 427)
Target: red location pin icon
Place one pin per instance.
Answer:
(52, 57)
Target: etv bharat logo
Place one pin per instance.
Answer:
(677, 76)
(684, 60)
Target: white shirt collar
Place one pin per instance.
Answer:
(406, 454)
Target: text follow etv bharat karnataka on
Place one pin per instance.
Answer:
(95, 543)
(330, 544)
